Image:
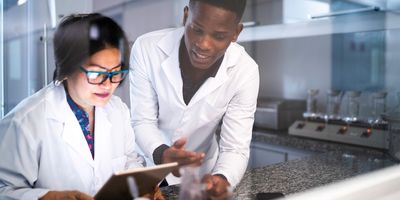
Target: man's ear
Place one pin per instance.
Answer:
(238, 30)
(185, 14)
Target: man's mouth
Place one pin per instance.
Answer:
(199, 57)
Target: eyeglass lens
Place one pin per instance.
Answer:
(98, 77)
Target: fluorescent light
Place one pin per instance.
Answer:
(21, 2)
(345, 12)
(250, 24)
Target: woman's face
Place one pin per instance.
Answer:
(87, 95)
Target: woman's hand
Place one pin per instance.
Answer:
(67, 195)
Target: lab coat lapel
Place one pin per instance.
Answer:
(212, 83)
(170, 66)
(74, 137)
(171, 69)
(58, 109)
(102, 130)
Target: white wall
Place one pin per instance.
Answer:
(289, 67)
(142, 16)
(101, 5)
(267, 11)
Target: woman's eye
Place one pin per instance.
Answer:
(93, 75)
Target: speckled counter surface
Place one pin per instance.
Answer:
(332, 162)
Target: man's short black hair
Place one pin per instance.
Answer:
(236, 6)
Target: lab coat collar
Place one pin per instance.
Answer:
(57, 108)
(169, 44)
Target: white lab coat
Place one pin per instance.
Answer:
(43, 148)
(158, 107)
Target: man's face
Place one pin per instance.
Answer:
(208, 32)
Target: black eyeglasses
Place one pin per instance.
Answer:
(98, 78)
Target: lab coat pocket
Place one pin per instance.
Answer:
(118, 164)
(212, 113)
(217, 101)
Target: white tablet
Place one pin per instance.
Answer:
(147, 178)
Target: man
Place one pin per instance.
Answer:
(186, 82)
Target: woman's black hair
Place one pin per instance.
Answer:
(236, 6)
(79, 36)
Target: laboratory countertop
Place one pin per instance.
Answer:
(332, 162)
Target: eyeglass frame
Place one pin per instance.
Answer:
(109, 75)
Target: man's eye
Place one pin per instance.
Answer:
(219, 36)
(195, 29)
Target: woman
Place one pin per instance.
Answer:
(66, 140)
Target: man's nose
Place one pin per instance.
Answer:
(204, 43)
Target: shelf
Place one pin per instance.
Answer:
(374, 21)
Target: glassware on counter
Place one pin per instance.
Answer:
(311, 103)
(353, 105)
(334, 99)
(378, 106)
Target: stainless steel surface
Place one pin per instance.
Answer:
(278, 114)
(360, 134)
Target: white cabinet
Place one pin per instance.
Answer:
(263, 154)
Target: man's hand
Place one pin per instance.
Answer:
(217, 187)
(67, 195)
(177, 153)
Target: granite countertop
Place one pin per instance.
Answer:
(332, 162)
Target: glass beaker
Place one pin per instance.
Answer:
(334, 99)
(378, 103)
(191, 185)
(353, 105)
(312, 102)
